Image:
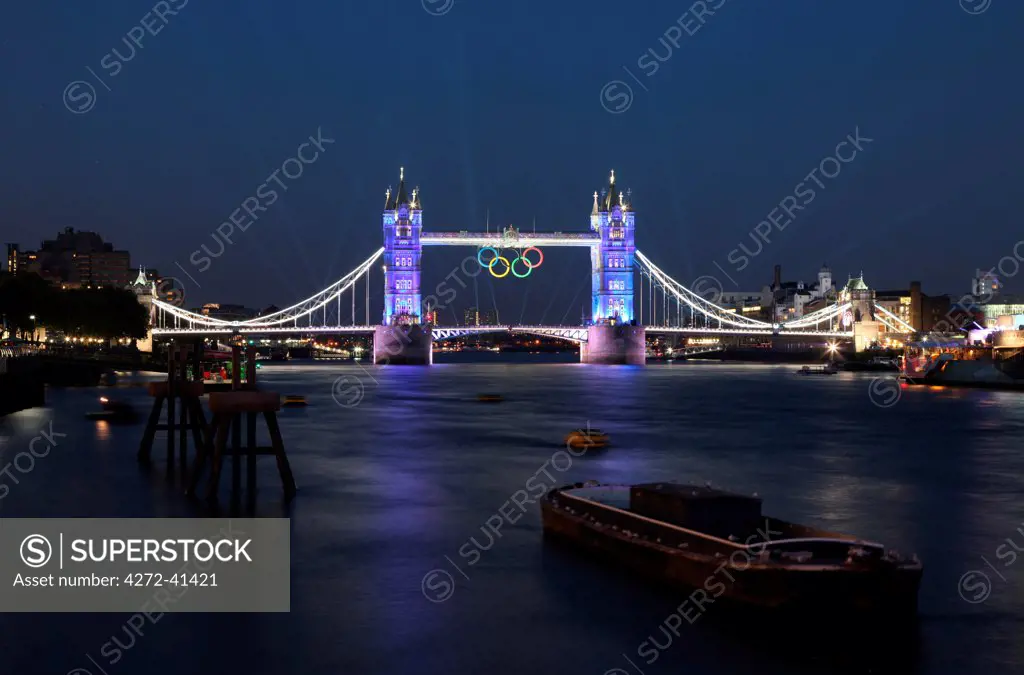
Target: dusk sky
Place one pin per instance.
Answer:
(498, 106)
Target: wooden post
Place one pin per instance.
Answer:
(172, 353)
(250, 463)
(236, 464)
(228, 408)
(219, 443)
(236, 425)
(197, 360)
(250, 436)
(250, 368)
(283, 467)
(236, 370)
(183, 415)
(146, 447)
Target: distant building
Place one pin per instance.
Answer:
(74, 259)
(144, 288)
(21, 262)
(488, 317)
(922, 312)
(984, 285)
(227, 312)
(1006, 306)
(471, 317)
(792, 299)
(12, 258)
(751, 304)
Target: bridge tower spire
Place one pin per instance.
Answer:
(612, 261)
(403, 223)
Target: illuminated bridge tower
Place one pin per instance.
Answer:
(613, 336)
(402, 339)
(612, 261)
(403, 223)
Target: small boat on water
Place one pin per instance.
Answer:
(294, 401)
(489, 398)
(830, 369)
(586, 439)
(113, 411)
(718, 544)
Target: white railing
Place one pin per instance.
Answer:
(695, 302)
(292, 314)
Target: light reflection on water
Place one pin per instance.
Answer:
(102, 430)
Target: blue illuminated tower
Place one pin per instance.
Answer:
(612, 260)
(403, 222)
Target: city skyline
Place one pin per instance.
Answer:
(984, 285)
(707, 157)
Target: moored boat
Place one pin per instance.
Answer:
(717, 544)
(943, 360)
(830, 369)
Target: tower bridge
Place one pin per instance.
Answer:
(615, 333)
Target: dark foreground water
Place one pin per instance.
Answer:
(392, 487)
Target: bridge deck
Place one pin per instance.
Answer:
(575, 333)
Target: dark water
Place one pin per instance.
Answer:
(391, 488)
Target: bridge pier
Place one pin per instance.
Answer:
(403, 345)
(615, 345)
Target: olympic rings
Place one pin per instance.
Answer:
(526, 261)
(482, 263)
(529, 268)
(508, 267)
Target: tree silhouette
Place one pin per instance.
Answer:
(110, 313)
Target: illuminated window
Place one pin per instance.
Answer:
(616, 233)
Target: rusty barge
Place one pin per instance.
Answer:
(715, 544)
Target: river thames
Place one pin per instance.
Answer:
(399, 469)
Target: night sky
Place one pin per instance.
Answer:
(502, 106)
